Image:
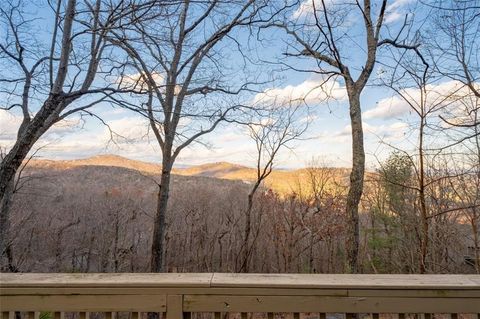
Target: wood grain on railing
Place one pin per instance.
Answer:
(179, 295)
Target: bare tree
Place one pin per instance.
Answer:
(455, 40)
(415, 73)
(272, 133)
(179, 63)
(320, 219)
(464, 169)
(48, 80)
(414, 79)
(319, 30)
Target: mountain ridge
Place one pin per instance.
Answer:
(282, 181)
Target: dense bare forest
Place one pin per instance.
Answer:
(195, 71)
(82, 216)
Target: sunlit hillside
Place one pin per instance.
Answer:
(101, 160)
(281, 180)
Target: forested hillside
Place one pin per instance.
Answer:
(95, 215)
(280, 180)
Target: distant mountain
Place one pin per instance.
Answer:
(222, 170)
(282, 181)
(100, 160)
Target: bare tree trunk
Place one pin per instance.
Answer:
(310, 254)
(10, 164)
(476, 245)
(332, 56)
(6, 253)
(423, 205)
(356, 181)
(156, 262)
(184, 79)
(116, 261)
(245, 250)
(5, 202)
(246, 234)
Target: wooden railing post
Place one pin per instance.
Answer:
(174, 306)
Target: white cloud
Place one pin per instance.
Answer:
(130, 129)
(9, 124)
(232, 136)
(388, 108)
(397, 4)
(396, 106)
(312, 91)
(394, 11)
(306, 7)
(130, 139)
(137, 82)
(68, 139)
(387, 132)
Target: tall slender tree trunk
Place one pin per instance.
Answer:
(474, 220)
(246, 248)
(423, 205)
(245, 251)
(157, 253)
(476, 245)
(356, 181)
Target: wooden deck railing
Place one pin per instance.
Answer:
(238, 295)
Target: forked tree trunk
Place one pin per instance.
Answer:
(32, 129)
(356, 181)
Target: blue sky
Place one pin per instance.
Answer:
(387, 120)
